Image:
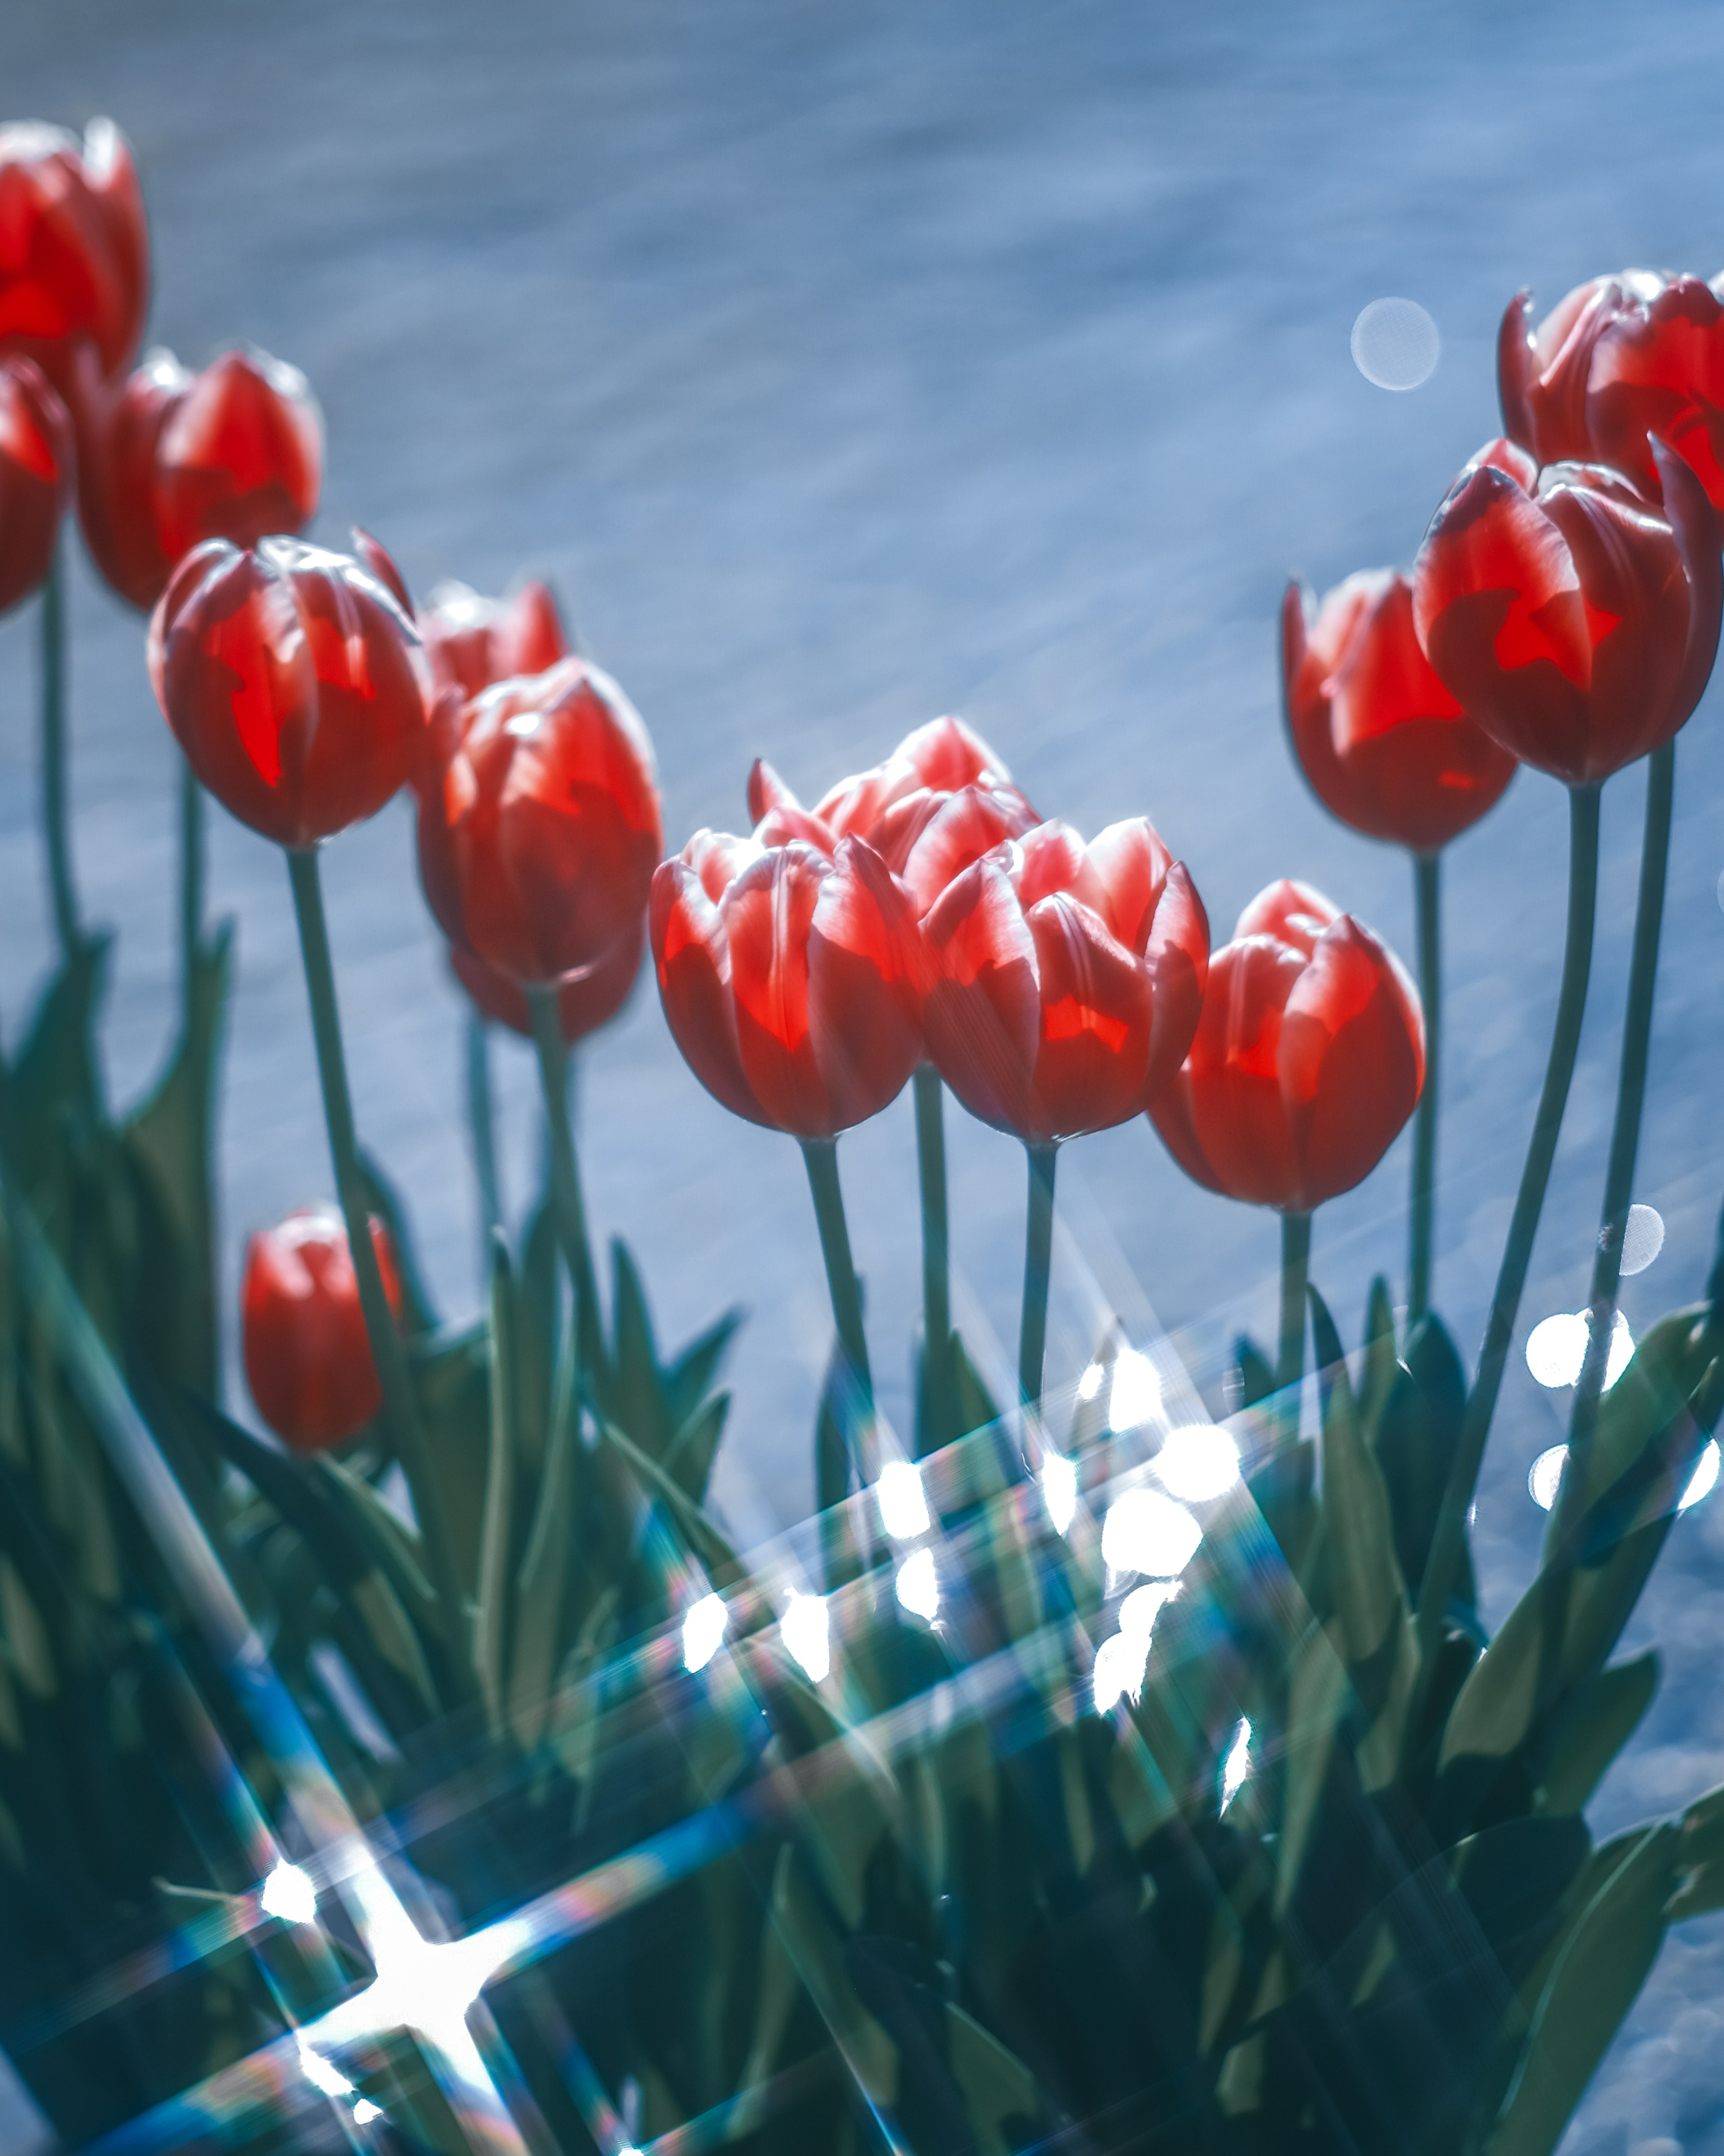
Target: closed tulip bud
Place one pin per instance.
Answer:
(36, 469)
(1065, 980)
(474, 642)
(308, 1361)
(1619, 359)
(294, 683)
(585, 1001)
(539, 835)
(1308, 1059)
(74, 253)
(1572, 621)
(169, 459)
(1384, 746)
(792, 982)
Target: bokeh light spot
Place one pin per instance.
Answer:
(1395, 344)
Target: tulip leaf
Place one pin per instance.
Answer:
(496, 1566)
(1416, 1430)
(1256, 1373)
(419, 1314)
(541, 1591)
(686, 1380)
(703, 1537)
(56, 1071)
(538, 1324)
(1595, 1728)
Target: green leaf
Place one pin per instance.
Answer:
(57, 1071)
(542, 1593)
(998, 2090)
(1595, 1729)
(538, 1329)
(689, 1455)
(496, 1565)
(1417, 1429)
(1256, 1373)
(703, 1537)
(686, 1381)
(419, 1314)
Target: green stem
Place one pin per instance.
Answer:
(1038, 1270)
(1624, 1138)
(936, 1276)
(1443, 1566)
(1290, 1367)
(386, 1343)
(481, 1122)
(191, 875)
(1427, 911)
(568, 1207)
(54, 811)
(820, 1157)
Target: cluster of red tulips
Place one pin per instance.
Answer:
(920, 917)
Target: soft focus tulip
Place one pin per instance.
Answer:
(1384, 744)
(36, 464)
(74, 253)
(307, 1359)
(167, 458)
(1065, 980)
(1309, 1058)
(294, 683)
(792, 982)
(1574, 621)
(585, 1001)
(539, 836)
(1621, 358)
(474, 642)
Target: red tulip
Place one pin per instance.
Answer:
(1574, 623)
(74, 255)
(167, 458)
(1620, 358)
(307, 1359)
(473, 642)
(539, 836)
(293, 682)
(36, 469)
(585, 1000)
(1384, 745)
(792, 982)
(1309, 1058)
(1065, 979)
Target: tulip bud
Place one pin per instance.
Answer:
(36, 466)
(792, 982)
(308, 1360)
(1573, 623)
(585, 1001)
(1307, 1062)
(167, 458)
(1383, 743)
(74, 261)
(293, 682)
(539, 836)
(1065, 979)
(473, 642)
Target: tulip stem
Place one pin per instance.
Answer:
(820, 1157)
(54, 815)
(482, 1124)
(1448, 1541)
(388, 1352)
(191, 875)
(1295, 1270)
(1624, 1138)
(936, 1279)
(1038, 1272)
(1428, 909)
(567, 1206)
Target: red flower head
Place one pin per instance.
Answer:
(539, 836)
(167, 458)
(473, 642)
(1066, 979)
(791, 981)
(307, 1359)
(294, 683)
(1620, 358)
(1573, 622)
(585, 1000)
(36, 465)
(1309, 1058)
(74, 255)
(941, 800)
(1384, 745)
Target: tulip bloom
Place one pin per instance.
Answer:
(1574, 623)
(1619, 359)
(1384, 746)
(1065, 980)
(307, 1359)
(167, 458)
(294, 683)
(1309, 1058)
(791, 983)
(585, 1001)
(36, 465)
(539, 837)
(75, 253)
(473, 642)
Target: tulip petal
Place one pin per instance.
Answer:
(1095, 1012)
(961, 829)
(983, 1014)
(1232, 1078)
(865, 984)
(1177, 960)
(691, 958)
(767, 913)
(1351, 1060)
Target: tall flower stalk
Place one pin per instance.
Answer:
(1037, 1268)
(56, 809)
(1427, 891)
